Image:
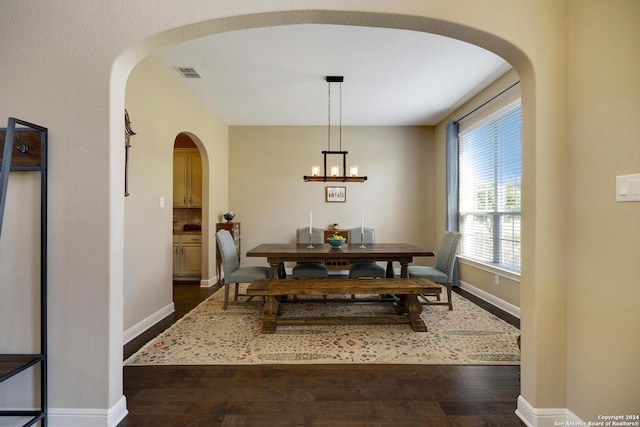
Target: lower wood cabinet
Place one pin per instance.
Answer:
(187, 256)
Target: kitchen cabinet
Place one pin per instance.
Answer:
(187, 256)
(187, 178)
(176, 256)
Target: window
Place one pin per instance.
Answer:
(490, 171)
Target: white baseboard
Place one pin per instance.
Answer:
(71, 417)
(207, 283)
(491, 299)
(545, 417)
(145, 324)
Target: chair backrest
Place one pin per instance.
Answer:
(228, 253)
(447, 253)
(355, 235)
(302, 235)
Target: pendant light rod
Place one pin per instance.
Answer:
(329, 117)
(333, 79)
(340, 99)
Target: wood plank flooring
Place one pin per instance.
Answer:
(316, 395)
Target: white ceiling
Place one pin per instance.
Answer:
(276, 75)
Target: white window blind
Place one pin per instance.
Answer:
(490, 170)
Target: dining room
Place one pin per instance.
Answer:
(260, 171)
(259, 175)
(261, 178)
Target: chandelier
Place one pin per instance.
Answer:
(334, 173)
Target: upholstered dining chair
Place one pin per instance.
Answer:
(364, 268)
(310, 270)
(233, 273)
(442, 273)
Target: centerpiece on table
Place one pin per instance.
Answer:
(336, 241)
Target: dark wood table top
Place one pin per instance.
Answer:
(352, 252)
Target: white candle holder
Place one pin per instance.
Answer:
(310, 244)
(362, 246)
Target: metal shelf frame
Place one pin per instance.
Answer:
(30, 144)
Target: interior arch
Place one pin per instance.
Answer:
(195, 141)
(515, 56)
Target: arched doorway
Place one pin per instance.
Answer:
(515, 57)
(187, 209)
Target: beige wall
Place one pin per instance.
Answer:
(270, 198)
(481, 281)
(603, 344)
(65, 66)
(161, 106)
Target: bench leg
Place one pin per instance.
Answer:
(271, 308)
(414, 308)
(400, 305)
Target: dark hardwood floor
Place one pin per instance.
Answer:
(316, 395)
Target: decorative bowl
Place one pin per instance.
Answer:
(229, 216)
(336, 243)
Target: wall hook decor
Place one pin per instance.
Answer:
(128, 133)
(22, 148)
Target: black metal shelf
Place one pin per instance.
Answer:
(32, 416)
(11, 364)
(30, 142)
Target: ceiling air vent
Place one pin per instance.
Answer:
(188, 72)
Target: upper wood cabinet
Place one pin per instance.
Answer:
(187, 178)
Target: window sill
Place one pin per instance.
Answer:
(502, 272)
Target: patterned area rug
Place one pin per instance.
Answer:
(208, 335)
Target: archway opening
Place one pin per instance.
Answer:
(502, 48)
(188, 252)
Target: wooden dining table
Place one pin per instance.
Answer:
(278, 253)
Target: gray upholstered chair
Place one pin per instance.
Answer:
(364, 268)
(233, 273)
(442, 273)
(310, 270)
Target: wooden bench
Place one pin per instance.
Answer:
(406, 303)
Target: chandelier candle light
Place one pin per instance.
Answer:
(334, 173)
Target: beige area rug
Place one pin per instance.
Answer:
(208, 335)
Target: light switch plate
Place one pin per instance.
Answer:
(628, 188)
